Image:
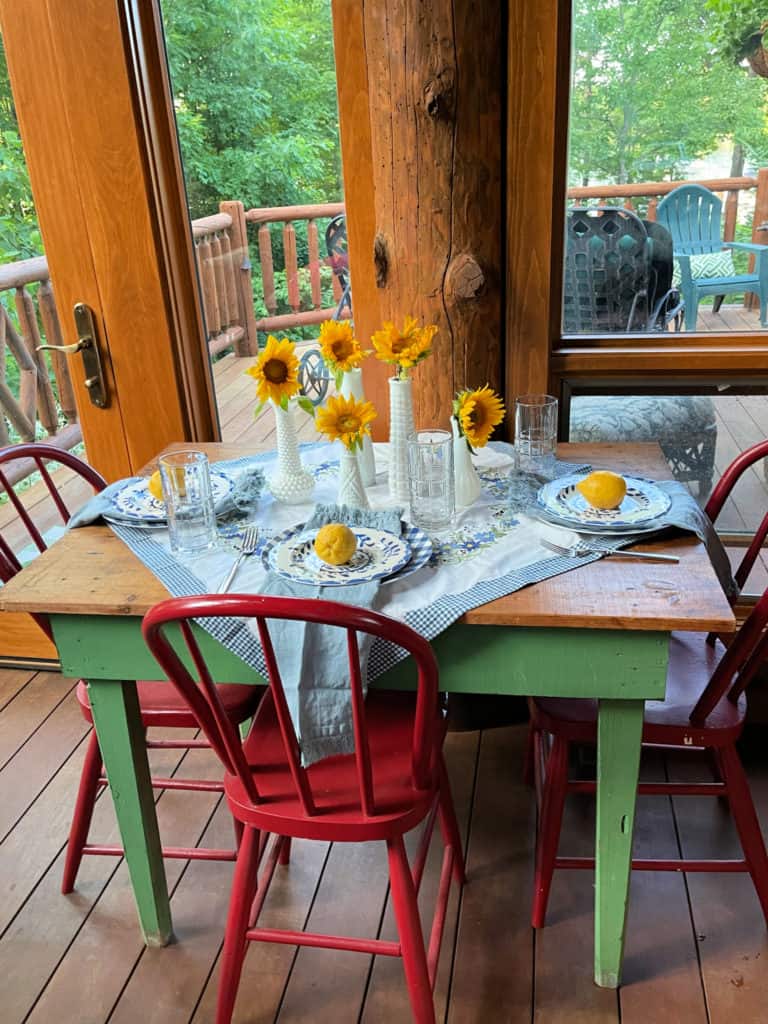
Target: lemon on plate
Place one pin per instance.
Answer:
(335, 543)
(155, 485)
(603, 489)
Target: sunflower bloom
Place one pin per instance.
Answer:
(478, 412)
(276, 372)
(339, 347)
(403, 347)
(346, 420)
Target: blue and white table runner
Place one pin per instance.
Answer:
(491, 551)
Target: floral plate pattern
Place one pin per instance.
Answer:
(643, 502)
(379, 554)
(135, 502)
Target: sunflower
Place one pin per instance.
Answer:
(339, 347)
(478, 412)
(276, 372)
(345, 419)
(406, 347)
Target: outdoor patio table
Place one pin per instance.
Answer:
(600, 631)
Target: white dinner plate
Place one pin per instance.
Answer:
(135, 502)
(643, 503)
(379, 554)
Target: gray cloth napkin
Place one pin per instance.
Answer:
(312, 659)
(240, 502)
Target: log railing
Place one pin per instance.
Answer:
(288, 217)
(43, 402)
(647, 194)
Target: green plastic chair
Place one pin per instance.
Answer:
(691, 214)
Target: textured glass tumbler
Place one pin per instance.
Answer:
(536, 434)
(430, 479)
(189, 499)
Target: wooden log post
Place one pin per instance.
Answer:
(46, 401)
(267, 265)
(50, 317)
(4, 435)
(313, 245)
(291, 266)
(241, 263)
(435, 139)
(225, 318)
(731, 212)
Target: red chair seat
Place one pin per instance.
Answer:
(691, 663)
(162, 705)
(334, 781)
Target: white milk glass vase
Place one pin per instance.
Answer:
(466, 480)
(400, 429)
(351, 487)
(352, 387)
(291, 483)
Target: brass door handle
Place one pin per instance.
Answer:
(87, 344)
(76, 346)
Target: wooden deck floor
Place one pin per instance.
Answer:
(696, 948)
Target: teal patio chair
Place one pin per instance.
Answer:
(691, 214)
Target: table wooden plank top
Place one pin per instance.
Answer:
(91, 572)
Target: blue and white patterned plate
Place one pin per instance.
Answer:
(379, 554)
(643, 502)
(135, 502)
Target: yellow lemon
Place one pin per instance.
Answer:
(335, 543)
(603, 489)
(155, 485)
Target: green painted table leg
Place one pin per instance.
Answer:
(121, 738)
(620, 730)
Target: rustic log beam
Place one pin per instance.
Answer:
(291, 266)
(218, 277)
(267, 268)
(277, 214)
(313, 244)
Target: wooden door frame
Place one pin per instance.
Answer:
(93, 104)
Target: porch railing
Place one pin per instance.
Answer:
(42, 401)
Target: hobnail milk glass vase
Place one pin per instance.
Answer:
(400, 429)
(291, 483)
(467, 482)
(351, 487)
(352, 387)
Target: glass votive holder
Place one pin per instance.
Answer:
(188, 495)
(430, 479)
(536, 434)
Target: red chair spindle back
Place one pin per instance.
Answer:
(262, 608)
(722, 492)
(739, 660)
(39, 454)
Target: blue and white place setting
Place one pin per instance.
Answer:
(643, 502)
(378, 554)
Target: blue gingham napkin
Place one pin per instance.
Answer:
(313, 659)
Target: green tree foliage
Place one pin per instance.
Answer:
(255, 94)
(19, 233)
(649, 93)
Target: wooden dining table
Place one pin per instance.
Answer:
(600, 631)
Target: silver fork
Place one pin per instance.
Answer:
(581, 549)
(246, 547)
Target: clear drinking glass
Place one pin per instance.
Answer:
(536, 434)
(189, 499)
(430, 479)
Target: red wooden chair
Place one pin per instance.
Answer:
(704, 708)
(395, 780)
(159, 702)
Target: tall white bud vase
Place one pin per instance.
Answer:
(352, 387)
(400, 428)
(351, 487)
(292, 483)
(467, 482)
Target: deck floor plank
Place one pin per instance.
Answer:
(80, 958)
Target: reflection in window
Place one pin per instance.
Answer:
(661, 98)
